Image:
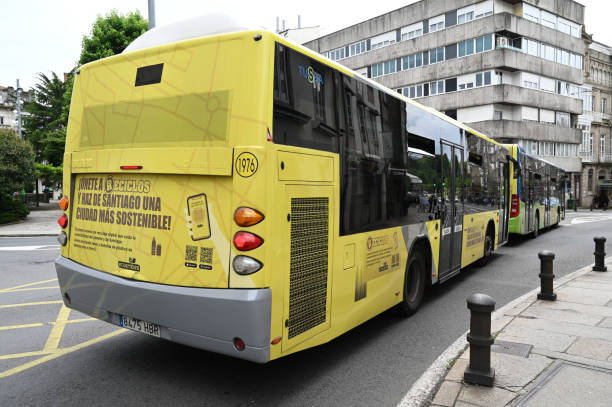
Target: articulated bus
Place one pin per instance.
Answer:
(241, 194)
(537, 190)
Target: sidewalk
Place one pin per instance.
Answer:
(41, 221)
(546, 353)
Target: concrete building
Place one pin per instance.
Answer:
(511, 69)
(596, 125)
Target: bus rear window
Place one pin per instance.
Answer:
(191, 118)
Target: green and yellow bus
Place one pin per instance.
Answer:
(242, 194)
(537, 190)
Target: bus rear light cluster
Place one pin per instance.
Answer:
(63, 221)
(245, 241)
(515, 208)
(63, 203)
(245, 265)
(247, 216)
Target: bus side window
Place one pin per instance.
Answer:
(476, 177)
(305, 102)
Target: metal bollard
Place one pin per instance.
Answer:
(546, 276)
(600, 254)
(479, 370)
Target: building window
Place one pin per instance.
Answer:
(487, 78)
(562, 119)
(436, 55)
(358, 48)
(1, 120)
(377, 70)
(590, 142)
(436, 87)
(603, 105)
(478, 79)
(436, 27)
(602, 144)
(466, 48)
(484, 43)
(389, 66)
(497, 115)
(464, 18)
(590, 180)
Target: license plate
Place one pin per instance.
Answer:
(138, 325)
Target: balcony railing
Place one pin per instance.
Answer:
(599, 117)
(590, 157)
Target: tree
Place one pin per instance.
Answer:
(16, 163)
(45, 123)
(49, 175)
(110, 35)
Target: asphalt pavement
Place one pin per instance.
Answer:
(87, 362)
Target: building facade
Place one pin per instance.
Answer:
(596, 125)
(8, 107)
(511, 69)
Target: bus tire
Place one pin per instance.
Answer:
(536, 229)
(489, 241)
(414, 284)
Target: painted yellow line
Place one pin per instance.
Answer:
(8, 328)
(27, 285)
(22, 355)
(31, 289)
(58, 353)
(72, 321)
(27, 304)
(58, 329)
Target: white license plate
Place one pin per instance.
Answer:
(138, 325)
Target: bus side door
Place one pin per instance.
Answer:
(451, 209)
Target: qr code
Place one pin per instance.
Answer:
(206, 255)
(191, 253)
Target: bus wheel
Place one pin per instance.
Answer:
(488, 249)
(414, 285)
(536, 230)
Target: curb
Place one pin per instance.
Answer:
(28, 234)
(421, 392)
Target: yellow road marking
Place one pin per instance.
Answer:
(27, 304)
(7, 328)
(27, 285)
(22, 355)
(58, 353)
(32, 289)
(72, 321)
(58, 330)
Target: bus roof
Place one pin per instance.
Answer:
(538, 158)
(214, 24)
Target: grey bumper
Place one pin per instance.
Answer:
(204, 318)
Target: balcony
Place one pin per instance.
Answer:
(528, 130)
(503, 94)
(598, 117)
(595, 158)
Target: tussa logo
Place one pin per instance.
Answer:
(310, 74)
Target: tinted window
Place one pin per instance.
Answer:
(306, 102)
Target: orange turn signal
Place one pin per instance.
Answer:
(247, 216)
(63, 203)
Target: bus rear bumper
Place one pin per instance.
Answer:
(204, 318)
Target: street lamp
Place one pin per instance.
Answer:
(19, 90)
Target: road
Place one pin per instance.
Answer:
(52, 356)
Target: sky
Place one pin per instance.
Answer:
(45, 35)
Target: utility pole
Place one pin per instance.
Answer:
(19, 110)
(151, 14)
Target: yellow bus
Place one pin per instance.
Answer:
(537, 191)
(241, 194)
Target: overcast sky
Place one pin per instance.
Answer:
(45, 35)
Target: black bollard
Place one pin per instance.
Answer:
(546, 276)
(479, 370)
(600, 253)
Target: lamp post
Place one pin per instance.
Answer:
(151, 14)
(19, 110)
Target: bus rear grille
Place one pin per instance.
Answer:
(308, 275)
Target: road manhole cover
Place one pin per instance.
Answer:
(511, 348)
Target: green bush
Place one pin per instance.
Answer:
(12, 209)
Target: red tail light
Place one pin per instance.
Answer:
(247, 241)
(63, 221)
(131, 167)
(515, 209)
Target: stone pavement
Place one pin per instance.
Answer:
(546, 353)
(41, 221)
